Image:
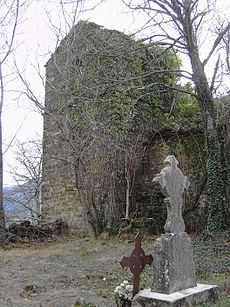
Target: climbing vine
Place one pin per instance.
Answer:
(114, 96)
(216, 194)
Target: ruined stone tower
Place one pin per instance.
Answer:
(59, 197)
(79, 91)
(98, 118)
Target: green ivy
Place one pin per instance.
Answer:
(114, 89)
(216, 196)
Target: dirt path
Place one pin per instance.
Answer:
(57, 275)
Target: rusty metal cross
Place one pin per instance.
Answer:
(136, 262)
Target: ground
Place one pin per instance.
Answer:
(58, 274)
(71, 270)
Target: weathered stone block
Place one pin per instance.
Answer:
(173, 263)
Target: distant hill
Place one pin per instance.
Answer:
(17, 205)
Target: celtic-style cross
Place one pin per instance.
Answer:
(136, 262)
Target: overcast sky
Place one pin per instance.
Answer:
(35, 43)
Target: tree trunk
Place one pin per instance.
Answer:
(127, 192)
(127, 202)
(2, 218)
(90, 221)
(216, 188)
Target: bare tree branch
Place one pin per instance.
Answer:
(217, 43)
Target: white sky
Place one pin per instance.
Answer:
(36, 41)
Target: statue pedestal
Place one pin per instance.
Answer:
(184, 298)
(173, 263)
(174, 275)
(174, 282)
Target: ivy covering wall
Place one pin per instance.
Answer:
(113, 99)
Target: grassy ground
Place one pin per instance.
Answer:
(212, 259)
(60, 274)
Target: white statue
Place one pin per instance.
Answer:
(173, 183)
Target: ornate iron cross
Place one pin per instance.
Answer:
(136, 262)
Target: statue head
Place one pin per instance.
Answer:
(170, 159)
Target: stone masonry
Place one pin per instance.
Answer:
(58, 192)
(59, 196)
(174, 268)
(174, 282)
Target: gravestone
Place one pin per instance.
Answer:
(174, 268)
(174, 282)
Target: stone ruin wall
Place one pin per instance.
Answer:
(60, 198)
(189, 150)
(58, 193)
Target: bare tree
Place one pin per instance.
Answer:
(226, 68)
(9, 16)
(134, 152)
(94, 98)
(27, 173)
(178, 24)
(98, 83)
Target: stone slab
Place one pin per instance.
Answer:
(173, 263)
(188, 297)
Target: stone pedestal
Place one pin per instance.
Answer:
(174, 282)
(173, 263)
(185, 298)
